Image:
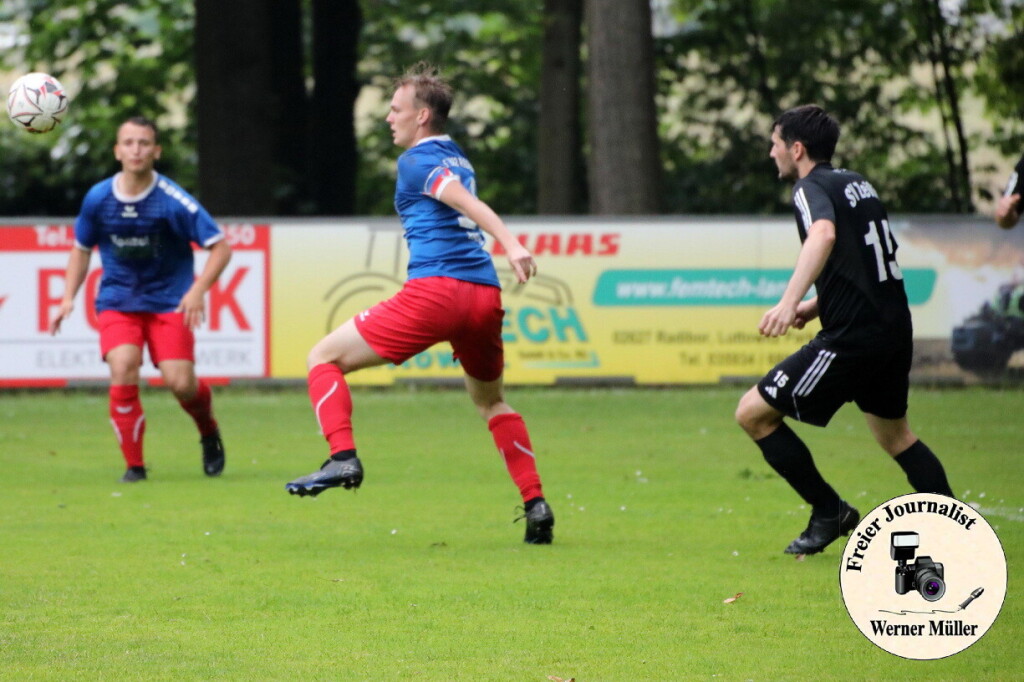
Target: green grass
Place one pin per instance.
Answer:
(663, 507)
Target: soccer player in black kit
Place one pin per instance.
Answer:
(864, 349)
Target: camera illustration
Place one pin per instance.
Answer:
(924, 575)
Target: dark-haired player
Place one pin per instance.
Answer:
(452, 294)
(1008, 208)
(863, 351)
(144, 226)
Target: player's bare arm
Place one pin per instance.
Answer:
(78, 266)
(463, 201)
(805, 312)
(813, 256)
(1008, 211)
(192, 303)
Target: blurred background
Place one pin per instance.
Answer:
(276, 107)
(624, 141)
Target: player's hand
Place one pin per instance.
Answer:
(193, 307)
(778, 320)
(805, 312)
(522, 262)
(1008, 211)
(65, 310)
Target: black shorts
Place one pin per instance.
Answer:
(814, 382)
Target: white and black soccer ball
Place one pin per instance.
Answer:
(37, 102)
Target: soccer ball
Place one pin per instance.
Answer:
(37, 102)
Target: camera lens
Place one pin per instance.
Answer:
(930, 585)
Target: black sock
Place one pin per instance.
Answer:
(343, 455)
(788, 455)
(529, 504)
(924, 470)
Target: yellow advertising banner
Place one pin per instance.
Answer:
(646, 301)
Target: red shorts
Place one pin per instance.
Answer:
(434, 309)
(165, 333)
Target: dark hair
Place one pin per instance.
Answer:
(432, 91)
(813, 127)
(145, 123)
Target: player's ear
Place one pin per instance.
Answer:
(797, 150)
(156, 151)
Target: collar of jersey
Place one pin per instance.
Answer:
(438, 138)
(134, 198)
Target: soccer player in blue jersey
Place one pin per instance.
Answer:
(144, 226)
(452, 294)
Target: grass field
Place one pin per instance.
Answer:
(663, 510)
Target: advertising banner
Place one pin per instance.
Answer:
(648, 301)
(666, 300)
(232, 342)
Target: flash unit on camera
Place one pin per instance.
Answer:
(902, 545)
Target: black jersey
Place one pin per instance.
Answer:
(861, 299)
(1015, 185)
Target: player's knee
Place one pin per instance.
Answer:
(896, 443)
(755, 417)
(182, 387)
(489, 409)
(744, 415)
(319, 356)
(123, 373)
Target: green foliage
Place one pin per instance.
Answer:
(731, 66)
(491, 54)
(116, 60)
(664, 508)
(1000, 72)
(735, 64)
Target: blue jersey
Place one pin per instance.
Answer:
(145, 243)
(442, 242)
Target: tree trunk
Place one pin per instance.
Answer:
(237, 106)
(334, 157)
(559, 154)
(624, 167)
(290, 106)
(953, 97)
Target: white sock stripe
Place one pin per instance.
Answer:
(334, 387)
(138, 428)
(116, 431)
(522, 449)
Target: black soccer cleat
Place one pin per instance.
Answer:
(134, 475)
(540, 523)
(823, 531)
(213, 454)
(347, 474)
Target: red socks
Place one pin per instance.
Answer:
(129, 422)
(332, 403)
(513, 441)
(200, 408)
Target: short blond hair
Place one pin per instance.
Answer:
(431, 91)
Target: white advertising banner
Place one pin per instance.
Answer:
(232, 342)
